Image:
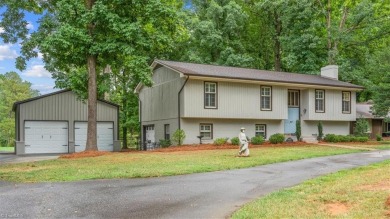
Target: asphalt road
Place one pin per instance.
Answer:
(206, 195)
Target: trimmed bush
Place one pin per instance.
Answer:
(362, 139)
(178, 136)
(353, 138)
(379, 137)
(344, 138)
(164, 143)
(235, 141)
(298, 131)
(331, 138)
(276, 138)
(257, 140)
(220, 141)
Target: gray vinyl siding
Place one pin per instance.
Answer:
(163, 75)
(160, 101)
(235, 100)
(63, 107)
(227, 128)
(310, 128)
(333, 106)
(159, 127)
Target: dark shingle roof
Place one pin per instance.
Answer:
(193, 69)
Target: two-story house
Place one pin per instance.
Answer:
(215, 101)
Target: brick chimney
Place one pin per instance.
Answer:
(330, 71)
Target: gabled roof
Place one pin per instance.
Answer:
(364, 110)
(51, 94)
(203, 70)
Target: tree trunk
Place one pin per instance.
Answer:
(92, 91)
(92, 105)
(124, 132)
(277, 47)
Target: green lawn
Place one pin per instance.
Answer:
(359, 193)
(154, 164)
(7, 149)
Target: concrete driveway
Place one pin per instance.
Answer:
(12, 158)
(205, 195)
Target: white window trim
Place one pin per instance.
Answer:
(323, 100)
(265, 130)
(349, 102)
(270, 98)
(204, 131)
(208, 92)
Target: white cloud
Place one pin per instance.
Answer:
(37, 71)
(44, 88)
(1, 30)
(7, 53)
(40, 55)
(30, 26)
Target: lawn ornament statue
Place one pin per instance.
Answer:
(244, 149)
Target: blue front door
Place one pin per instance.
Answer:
(290, 123)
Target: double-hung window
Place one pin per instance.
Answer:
(265, 98)
(320, 101)
(346, 102)
(261, 130)
(167, 134)
(210, 95)
(206, 131)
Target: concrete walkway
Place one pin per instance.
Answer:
(205, 195)
(12, 158)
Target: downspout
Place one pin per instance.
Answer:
(178, 101)
(140, 122)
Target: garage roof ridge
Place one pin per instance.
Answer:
(54, 93)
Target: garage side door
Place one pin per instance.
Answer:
(46, 137)
(105, 136)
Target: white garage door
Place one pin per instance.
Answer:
(46, 137)
(105, 136)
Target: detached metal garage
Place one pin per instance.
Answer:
(57, 123)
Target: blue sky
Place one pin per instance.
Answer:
(35, 73)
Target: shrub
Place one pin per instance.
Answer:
(257, 140)
(298, 131)
(379, 137)
(164, 143)
(320, 131)
(353, 138)
(361, 127)
(220, 141)
(331, 138)
(235, 141)
(362, 139)
(276, 138)
(178, 136)
(344, 138)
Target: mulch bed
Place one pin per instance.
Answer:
(85, 154)
(197, 147)
(194, 147)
